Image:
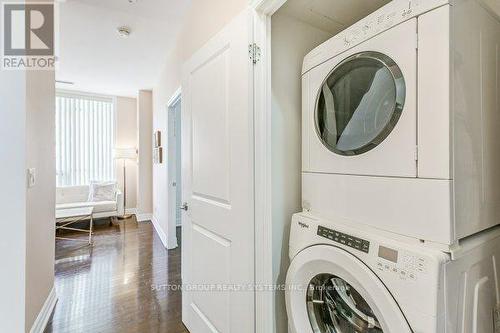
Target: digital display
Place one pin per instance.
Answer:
(388, 254)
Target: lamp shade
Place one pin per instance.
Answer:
(129, 153)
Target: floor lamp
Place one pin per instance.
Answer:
(125, 154)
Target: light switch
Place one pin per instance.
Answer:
(31, 177)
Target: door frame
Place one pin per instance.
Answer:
(172, 241)
(264, 301)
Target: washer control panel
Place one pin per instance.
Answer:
(344, 239)
(405, 265)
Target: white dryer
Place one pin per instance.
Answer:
(398, 114)
(343, 280)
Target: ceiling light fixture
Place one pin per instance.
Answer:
(124, 32)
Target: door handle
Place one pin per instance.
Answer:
(184, 206)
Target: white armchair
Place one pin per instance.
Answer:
(77, 197)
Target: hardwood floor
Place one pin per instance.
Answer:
(119, 284)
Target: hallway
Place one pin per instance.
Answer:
(119, 284)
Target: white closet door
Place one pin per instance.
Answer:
(218, 183)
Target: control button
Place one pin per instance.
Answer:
(408, 259)
(391, 15)
(367, 27)
(407, 12)
(420, 266)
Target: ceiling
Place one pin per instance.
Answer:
(96, 59)
(331, 16)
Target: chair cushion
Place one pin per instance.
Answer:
(99, 207)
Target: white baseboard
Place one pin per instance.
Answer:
(144, 217)
(141, 217)
(159, 231)
(131, 211)
(43, 317)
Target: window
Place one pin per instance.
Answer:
(85, 137)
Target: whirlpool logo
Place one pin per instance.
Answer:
(304, 225)
(28, 35)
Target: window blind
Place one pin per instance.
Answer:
(85, 137)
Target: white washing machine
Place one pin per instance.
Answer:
(400, 118)
(343, 280)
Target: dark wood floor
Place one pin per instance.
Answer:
(119, 284)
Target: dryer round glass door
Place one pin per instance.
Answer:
(360, 103)
(334, 306)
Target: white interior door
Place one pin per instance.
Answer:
(218, 183)
(174, 170)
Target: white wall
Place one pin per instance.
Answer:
(13, 200)
(145, 160)
(203, 20)
(291, 41)
(27, 240)
(126, 137)
(40, 200)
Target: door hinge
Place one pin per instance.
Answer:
(254, 53)
(416, 153)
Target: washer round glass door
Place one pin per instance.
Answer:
(360, 103)
(334, 306)
(329, 290)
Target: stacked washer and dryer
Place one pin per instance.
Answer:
(401, 175)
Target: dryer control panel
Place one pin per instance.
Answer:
(386, 17)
